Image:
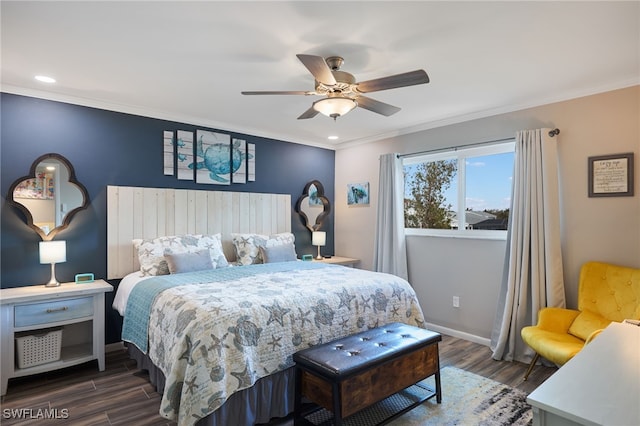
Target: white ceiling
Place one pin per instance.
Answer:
(189, 61)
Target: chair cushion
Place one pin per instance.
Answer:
(611, 291)
(586, 323)
(556, 347)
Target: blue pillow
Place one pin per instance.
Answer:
(189, 261)
(279, 253)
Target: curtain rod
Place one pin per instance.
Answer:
(552, 133)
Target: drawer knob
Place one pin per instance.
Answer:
(50, 311)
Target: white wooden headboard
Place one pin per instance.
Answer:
(153, 212)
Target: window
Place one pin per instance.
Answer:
(462, 192)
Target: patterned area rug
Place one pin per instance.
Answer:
(467, 400)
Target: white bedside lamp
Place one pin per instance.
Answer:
(53, 252)
(319, 238)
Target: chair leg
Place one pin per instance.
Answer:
(533, 363)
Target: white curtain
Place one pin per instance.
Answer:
(390, 252)
(532, 277)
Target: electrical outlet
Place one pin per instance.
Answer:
(456, 301)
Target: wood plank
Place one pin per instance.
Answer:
(137, 213)
(125, 231)
(181, 213)
(161, 218)
(149, 200)
(191, 212)
(170, 212)
(214, 207)
(201, 212)
(112, 231)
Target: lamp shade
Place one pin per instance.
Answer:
(53, 251)
(334, 107)
(319, 238)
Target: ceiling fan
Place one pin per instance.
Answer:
(342, 92)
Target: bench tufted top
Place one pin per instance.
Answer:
(350, 355)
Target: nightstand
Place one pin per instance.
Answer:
(339, 260)
(70, 316)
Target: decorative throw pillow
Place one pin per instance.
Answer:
(247, 245)
(151, 252)
(214, 244)
(586, 323)
(278, 253)
(191, 261)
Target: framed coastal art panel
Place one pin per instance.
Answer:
(239, 160)
(251, 162)
(167, 147)
(184, 149)
(213, 158)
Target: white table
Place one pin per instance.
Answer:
(78, 309)
(599, 386)
(339, 260)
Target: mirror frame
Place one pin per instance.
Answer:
(325, 204)
(32, 174)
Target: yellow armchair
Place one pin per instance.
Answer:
(606, 293)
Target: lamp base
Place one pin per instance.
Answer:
(53, 282)
(318, 257)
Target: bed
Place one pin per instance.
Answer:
(218, 342)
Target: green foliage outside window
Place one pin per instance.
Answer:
(427, 206)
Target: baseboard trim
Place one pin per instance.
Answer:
(112, 347)
(459, 334)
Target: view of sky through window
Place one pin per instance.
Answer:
(488, 182)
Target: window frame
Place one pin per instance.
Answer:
(460, 154)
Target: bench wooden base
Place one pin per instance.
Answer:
(350, 374)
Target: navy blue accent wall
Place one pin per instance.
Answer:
(111, 148)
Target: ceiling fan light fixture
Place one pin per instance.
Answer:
(334, 107)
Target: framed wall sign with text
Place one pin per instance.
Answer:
(611, 175)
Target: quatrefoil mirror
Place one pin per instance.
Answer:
(313, 206)
(49, 196)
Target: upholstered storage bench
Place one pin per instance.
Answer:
(352, 373)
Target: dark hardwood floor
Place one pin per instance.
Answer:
(122, 395)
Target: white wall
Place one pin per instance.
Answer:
(606, 229)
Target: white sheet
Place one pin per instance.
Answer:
(124, 289)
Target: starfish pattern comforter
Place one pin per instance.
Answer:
(219, 336)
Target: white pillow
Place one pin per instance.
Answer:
(151, 252)
(247, 246)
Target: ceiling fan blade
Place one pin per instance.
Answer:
(310, 113)
(376, 106)
(410, 78)
(267, 92)
(318, 68)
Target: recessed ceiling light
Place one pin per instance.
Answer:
(45, 79)
(332, 138)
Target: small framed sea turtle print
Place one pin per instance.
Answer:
(358, 193)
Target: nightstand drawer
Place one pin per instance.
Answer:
(52, 311)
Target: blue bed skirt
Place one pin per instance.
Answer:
(270, 398)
